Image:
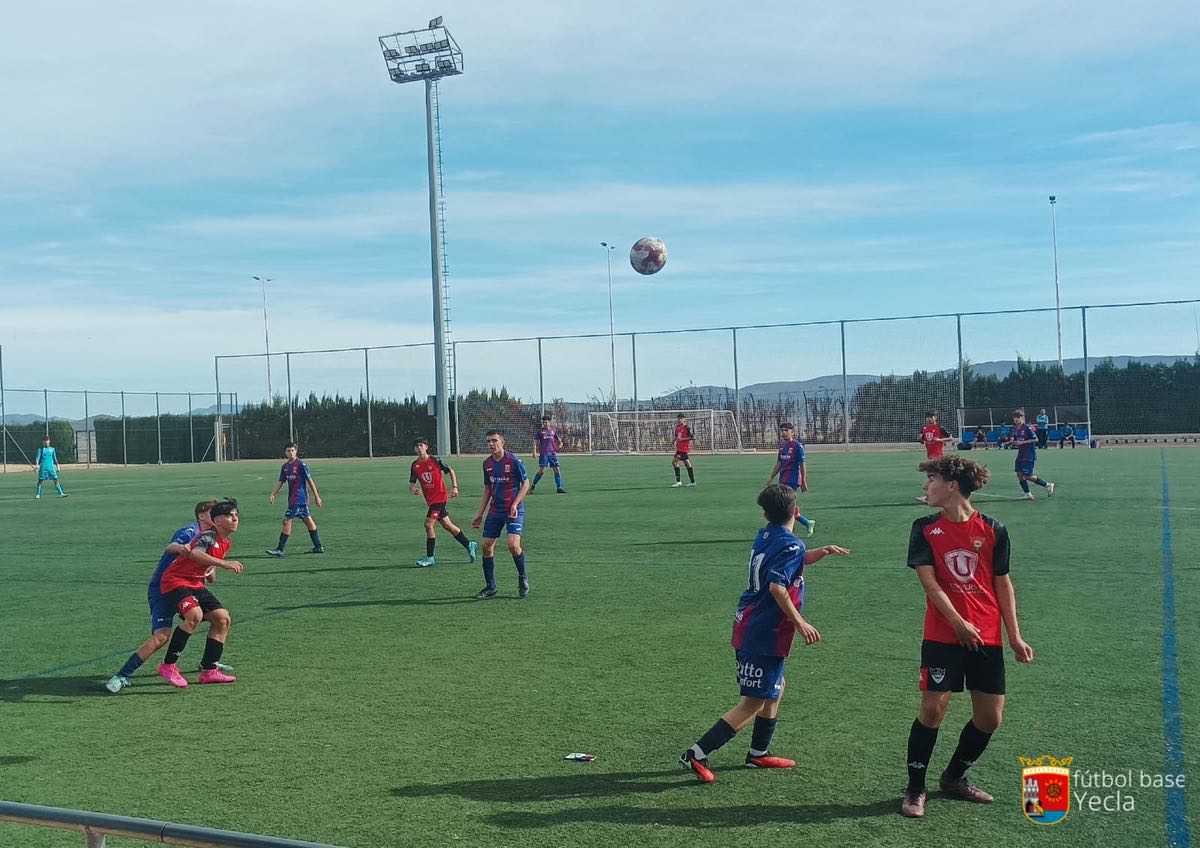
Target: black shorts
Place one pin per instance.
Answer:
(946, 668)
(682, 456)
(205, 599)
(438, 511)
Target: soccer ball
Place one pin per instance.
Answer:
(648, 255)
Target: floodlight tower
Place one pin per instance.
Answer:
(1057, 297)
(428, 55)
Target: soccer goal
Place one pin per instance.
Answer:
(653, 431)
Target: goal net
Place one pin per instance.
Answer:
(653, 431)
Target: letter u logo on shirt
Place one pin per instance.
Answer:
(962, 564)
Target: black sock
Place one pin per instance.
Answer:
(283, 537)
(519, 562)
(717, 735)
(1039, 481)
(212, 653)
(489, 572)
(691, 474)
(462, 539)
(921, 740)
(676, 473)
(760, 742)
(429, 543)
(179, 640)
(971, 744)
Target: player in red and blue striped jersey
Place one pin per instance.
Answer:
(767, 618)
(505, 485)
(789, 465)
(1025, 439)
(299, 481)
(546, 445)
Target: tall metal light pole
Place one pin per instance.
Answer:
(612, 335)
(1057, 297)
(428, 55)
(266, 335)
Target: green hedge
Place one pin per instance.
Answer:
(28, 438)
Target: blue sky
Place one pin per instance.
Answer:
(804, 162)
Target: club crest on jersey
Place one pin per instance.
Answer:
(1045, 788)
(962, 564)
(977, 544)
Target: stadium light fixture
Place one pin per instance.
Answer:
(266, 335)
(428, 55)
(612, 334)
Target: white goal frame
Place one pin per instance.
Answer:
(626, 431)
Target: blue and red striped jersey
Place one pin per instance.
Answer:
(297, 475)
(759, 625)
(504, 476)
(791, 458)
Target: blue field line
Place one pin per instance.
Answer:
(1178, 833)
(114, 655)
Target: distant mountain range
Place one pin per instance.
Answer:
(715, 395)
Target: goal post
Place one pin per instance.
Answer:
(653, 430)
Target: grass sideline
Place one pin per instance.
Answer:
(379, 705)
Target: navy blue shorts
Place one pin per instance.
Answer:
(298, 511)
(759, 676)
(497, 521)
(549, 460)
(162, 612)
(1025, 469)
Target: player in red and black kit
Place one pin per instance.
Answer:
(183, 589)
(961, 559)
(935, 439)
(426, 476)
(683, 446)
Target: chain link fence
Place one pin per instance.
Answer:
(1125, 369)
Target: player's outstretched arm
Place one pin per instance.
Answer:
(966, 633)
(807, 632)
(1007, 598)
(817, 554)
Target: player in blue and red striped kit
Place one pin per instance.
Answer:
(546, 444)
(767, 619)
(1025, 439)
(299, 481)
(789, 465)
(505, 485)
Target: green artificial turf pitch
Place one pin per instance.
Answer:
(378, 704)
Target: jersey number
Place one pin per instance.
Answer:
(754, 582)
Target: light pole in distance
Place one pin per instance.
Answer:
(612, 336)
(266, 335)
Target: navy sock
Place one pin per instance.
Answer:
(691, 474)
(489, 572)
(676, 473)
(971, 744)
(1039, 481)
(519, 561)
(429, 543)
(557, 479)
(131, 665)
(212, 653)
(760, 742)
(283, 537)
(179, 640)
(537, 478)
(1025, 486)
(717, 735)
(462, 539)
(921, 740)
(315, 535)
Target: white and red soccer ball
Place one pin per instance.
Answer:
(648, 255)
